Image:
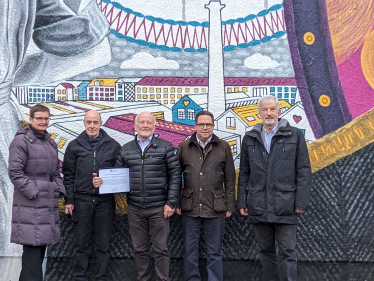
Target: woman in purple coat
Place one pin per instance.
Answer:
(34, 172)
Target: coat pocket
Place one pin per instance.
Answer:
(256, 200)
(219, 203)
(284, 200)
(186, 200)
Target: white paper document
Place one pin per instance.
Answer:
(114, 180)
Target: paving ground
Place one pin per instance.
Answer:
(124, 269)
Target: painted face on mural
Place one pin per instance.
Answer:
(269, 114)
(92, 122)
(204, 127)
(145, 125)
(40, 121)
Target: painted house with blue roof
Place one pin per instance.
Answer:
(82, 90)
(185, 110)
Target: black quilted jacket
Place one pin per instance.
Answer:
(154, 174)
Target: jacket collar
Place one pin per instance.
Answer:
(193, 138)
(81, 139)
(154, 141)
(283, 129)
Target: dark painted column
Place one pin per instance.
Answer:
(314, 65)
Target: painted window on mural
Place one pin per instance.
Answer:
(259, 91)
(230, 123)
(234, 147)
(190, 114)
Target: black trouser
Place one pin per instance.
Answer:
(144, 222)
(32, 260)
(283, 267)
(100, 216)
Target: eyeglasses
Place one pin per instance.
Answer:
(202, 125)
(41, 119)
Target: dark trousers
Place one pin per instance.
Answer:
(99, 216)
(32, 260)
(144, 223)
(283, 267)
(213, 234)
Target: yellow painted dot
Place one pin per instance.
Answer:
(324, 100)
(309, 38)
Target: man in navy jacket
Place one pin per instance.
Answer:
(274, 187)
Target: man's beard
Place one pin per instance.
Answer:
(269, 122)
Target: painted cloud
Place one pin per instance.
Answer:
(259, 61)
(145, 60)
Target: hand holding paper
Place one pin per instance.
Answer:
(96, 181)
(113, 180)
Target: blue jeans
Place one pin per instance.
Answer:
(213, 233)
(99, 216)
(283, 267)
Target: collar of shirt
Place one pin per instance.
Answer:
(144, 144)
(272, 133)
(268, 136)
(201, 143)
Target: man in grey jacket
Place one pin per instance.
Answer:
(274, 187)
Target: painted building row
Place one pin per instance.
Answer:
(169, 90)
(98, 89)
(164, 90)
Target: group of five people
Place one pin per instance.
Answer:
(197, 182)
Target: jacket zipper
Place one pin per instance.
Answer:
(143, 189)
(94, 168)
(94, 165)
(201, 168)
(142, 155)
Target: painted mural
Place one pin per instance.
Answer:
(175, 58)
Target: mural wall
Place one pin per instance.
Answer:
(176, 58)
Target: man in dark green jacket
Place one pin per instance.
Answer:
(274, 187)
(208, 196)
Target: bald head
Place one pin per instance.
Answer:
(145, 125)
(92, 122)
(145, 114)
(92, 113)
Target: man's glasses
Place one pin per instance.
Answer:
(41, 119)
(202, 125)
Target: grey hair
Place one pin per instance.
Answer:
(267, 99)
(154, 118)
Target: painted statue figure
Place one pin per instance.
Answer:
(57, 29)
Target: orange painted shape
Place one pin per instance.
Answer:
(324, 100)
(367, 59)
(309, 38)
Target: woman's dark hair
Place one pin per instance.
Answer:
(38, 107)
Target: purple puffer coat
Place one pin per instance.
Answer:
(33, 170)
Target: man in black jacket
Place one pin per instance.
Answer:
(93, 149)
(154, 189)
(274, 187)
